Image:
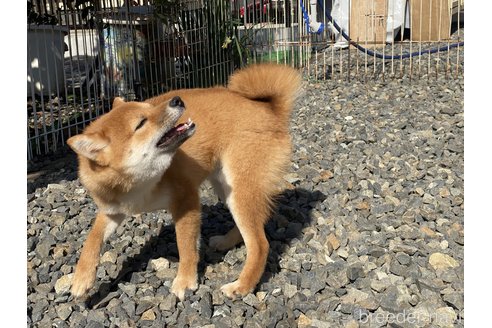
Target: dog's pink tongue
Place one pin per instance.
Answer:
(184, 126)
(181, 127)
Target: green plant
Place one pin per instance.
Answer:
(241, 54)
(218, 29)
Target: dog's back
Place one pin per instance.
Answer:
(247, 121)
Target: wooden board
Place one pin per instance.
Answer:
(368, 21)
(430, 20)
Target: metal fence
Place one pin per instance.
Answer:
(96, 50)
(83, 53)
(360, 39)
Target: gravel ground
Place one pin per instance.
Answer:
(368, 233)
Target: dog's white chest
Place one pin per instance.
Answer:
(143, 198)
(221, 182)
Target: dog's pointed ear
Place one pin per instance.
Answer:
(118, 101)
(88, 145)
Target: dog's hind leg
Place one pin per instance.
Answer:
(250, 211)
(227, 241)
(185, 210)
(254, 180)
(85, 272)
(223, 191)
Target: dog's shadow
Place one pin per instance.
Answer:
(290, 215)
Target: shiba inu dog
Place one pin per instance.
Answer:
(151, 155)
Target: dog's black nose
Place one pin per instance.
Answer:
(176, 102)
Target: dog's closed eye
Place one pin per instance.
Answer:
(141, 124)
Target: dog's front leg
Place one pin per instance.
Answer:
(85, 272)
(186, 215)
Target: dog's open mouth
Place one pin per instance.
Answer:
(177, 135)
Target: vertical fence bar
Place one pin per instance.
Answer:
(348, 62)
(459, 39)
(48, 103)
(420, 37)
(34, 105)
(430, 38)
(402, 31)
(439, 37)
(384, 40)
(43, 106)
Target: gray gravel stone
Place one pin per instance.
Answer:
(168, 303)
(403, 258)
(289, 290)
(64, 311)
(129, 306)
(355, 271)
(94, 324)
(337, 274)
(455, 299)
(251, 300)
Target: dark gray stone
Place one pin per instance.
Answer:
(143, 306)
(94, 324)
(403, 258)
(337, 274)
(129, 306)
(58, 323)
(206, 307)
(456, 300)
(355, 271)
(393, 300)
(169, 303)
(44, 247)
(137, 278)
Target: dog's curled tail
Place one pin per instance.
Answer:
(277, 84)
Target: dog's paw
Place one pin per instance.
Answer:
(82, 282)
(220, 243)
(180, 285)
(235, 288)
